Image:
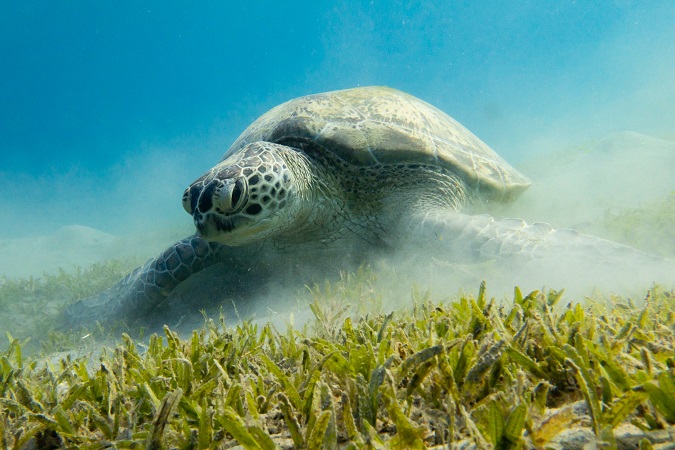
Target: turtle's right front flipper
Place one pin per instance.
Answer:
(147, 286)
(562, 255)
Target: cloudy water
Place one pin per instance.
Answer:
(108, 111)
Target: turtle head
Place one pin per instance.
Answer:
(245, 198)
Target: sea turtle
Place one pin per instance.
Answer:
(326, 178)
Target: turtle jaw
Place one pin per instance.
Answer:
(225, 230)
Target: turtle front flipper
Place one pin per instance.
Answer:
(560, 255)
(146, 287)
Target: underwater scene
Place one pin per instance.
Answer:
(345, 225)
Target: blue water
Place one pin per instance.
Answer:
(109, 109)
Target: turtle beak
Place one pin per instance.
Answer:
(214, 204)
(200, 204)
(197, 201)
(191, 196)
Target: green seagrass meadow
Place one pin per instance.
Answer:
(536, 371)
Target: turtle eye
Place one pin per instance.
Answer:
(238, 195)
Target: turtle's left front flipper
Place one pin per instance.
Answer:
(147, 286)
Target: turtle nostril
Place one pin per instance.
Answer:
(187, 206)
(190, 199)
(206, 197)
(194, 199)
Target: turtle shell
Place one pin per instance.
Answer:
(379, 125)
